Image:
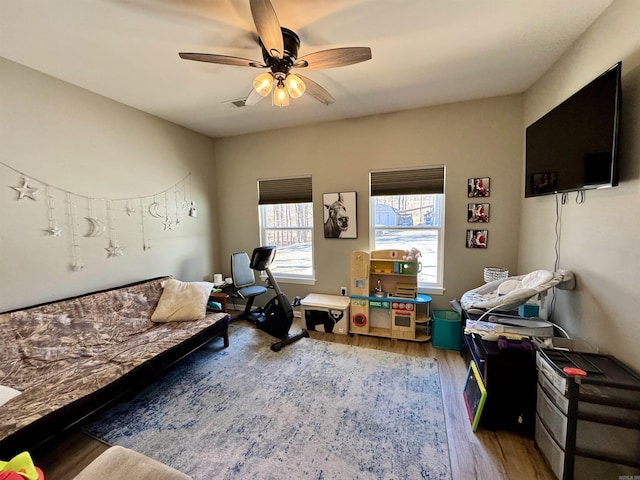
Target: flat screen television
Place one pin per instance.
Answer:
(575, 146)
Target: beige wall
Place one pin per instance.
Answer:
(78, 141)
(599, 239)
(480, 138)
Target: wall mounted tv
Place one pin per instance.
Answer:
(575, 146)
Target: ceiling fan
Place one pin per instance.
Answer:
(280, 53)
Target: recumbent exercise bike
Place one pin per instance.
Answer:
(276, 317)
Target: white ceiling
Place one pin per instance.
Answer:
(425, 52)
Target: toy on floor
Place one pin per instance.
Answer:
(20, 467)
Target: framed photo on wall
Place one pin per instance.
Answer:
(477, 238)
(340, 215)
(478, 187)
(478, 212)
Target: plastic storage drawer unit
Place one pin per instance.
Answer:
(588, 425)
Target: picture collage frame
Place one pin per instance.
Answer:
(478, 212)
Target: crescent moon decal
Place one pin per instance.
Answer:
(96, 227)
(153, 210)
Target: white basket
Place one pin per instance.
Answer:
(495, 273)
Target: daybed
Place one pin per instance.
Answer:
(71, 357)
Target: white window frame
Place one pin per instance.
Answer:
(288, 190)
(436, 288)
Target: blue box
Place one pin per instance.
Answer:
(528, 310)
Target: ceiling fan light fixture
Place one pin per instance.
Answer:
(280, 95)
(280, 47)
(295, 86)
(263, 84)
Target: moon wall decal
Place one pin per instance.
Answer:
(153, 210)
(96, 227)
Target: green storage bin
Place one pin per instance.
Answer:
(446, 330)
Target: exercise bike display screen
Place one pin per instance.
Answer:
(262, 257)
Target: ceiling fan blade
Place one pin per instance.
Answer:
(334, 57)
(268, 27)
(253, 98)
(316, 91)
(222, 59)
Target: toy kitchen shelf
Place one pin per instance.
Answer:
(384, 298)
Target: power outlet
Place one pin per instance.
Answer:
(343, 291)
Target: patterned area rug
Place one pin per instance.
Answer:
(314, 410)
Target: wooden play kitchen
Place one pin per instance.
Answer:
(384, 296)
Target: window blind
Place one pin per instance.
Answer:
(428, 180)
(284, 190)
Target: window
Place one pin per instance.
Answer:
(286, 221)
(407, 210)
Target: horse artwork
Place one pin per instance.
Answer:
(337, 218)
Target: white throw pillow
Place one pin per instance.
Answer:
(181, 301)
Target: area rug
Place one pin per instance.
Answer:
(314, 410)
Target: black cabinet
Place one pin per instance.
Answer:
(509, 376)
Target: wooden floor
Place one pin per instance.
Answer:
(480, 455)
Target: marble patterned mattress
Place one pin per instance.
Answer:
(58, 353)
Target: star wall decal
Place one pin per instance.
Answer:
(168, 224)
(114, 250)
(25, 190)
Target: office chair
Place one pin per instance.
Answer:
(244, 283)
